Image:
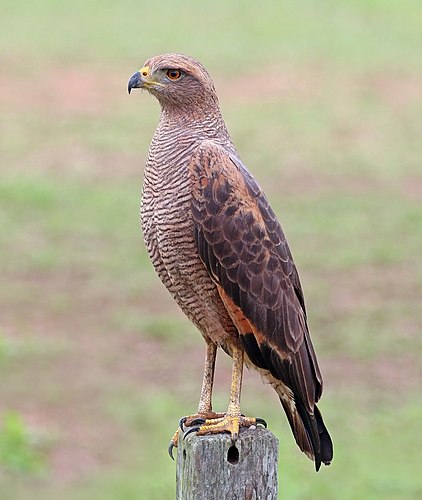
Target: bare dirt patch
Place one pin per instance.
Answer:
(94, 90)
(60, 90)
(380, 375)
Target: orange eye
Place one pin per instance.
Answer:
(173, 74)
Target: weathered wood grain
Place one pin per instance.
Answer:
(212, 468)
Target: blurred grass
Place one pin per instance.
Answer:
(20, 446)
(368, 33)
(323, 102)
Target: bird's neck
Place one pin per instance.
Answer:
(198, 122)
(179, 134)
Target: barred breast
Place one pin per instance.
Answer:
(168, 233)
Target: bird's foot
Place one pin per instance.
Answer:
(199, 419)
(227, 423)
(189, 421)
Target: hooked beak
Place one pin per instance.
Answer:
(143, 79)
(135, 82)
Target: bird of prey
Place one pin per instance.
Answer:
(218, 247)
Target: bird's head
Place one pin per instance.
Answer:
(177, 81)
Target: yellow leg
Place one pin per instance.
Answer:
(207, 421)
(233, 419)
(205, 400)
(236, 385)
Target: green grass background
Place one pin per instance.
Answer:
(323, 100)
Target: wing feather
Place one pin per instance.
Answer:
(240, 241)
(243, 247)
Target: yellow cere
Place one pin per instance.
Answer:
(147, 81)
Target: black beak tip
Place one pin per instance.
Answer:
(134, 82)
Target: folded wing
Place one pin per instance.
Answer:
(242, 245)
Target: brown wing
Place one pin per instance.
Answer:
(243, 247)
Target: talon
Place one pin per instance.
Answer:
(214, 423)
(197, 421)
(262, 422)
(173, 443)
(190, 430)
(181, 423)
(170, 450)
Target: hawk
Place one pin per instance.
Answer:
(218, 247)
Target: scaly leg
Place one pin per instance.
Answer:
(205, 400)
(233, 419)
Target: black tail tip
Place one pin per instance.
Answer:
(319, 462)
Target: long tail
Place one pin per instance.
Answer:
(309, 431)
(295, 379)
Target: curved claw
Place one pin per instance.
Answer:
(262, 422)
(197, 421)
(190, 430)
(182, 423)
(170, 450)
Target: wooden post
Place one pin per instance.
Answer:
(211, 467)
